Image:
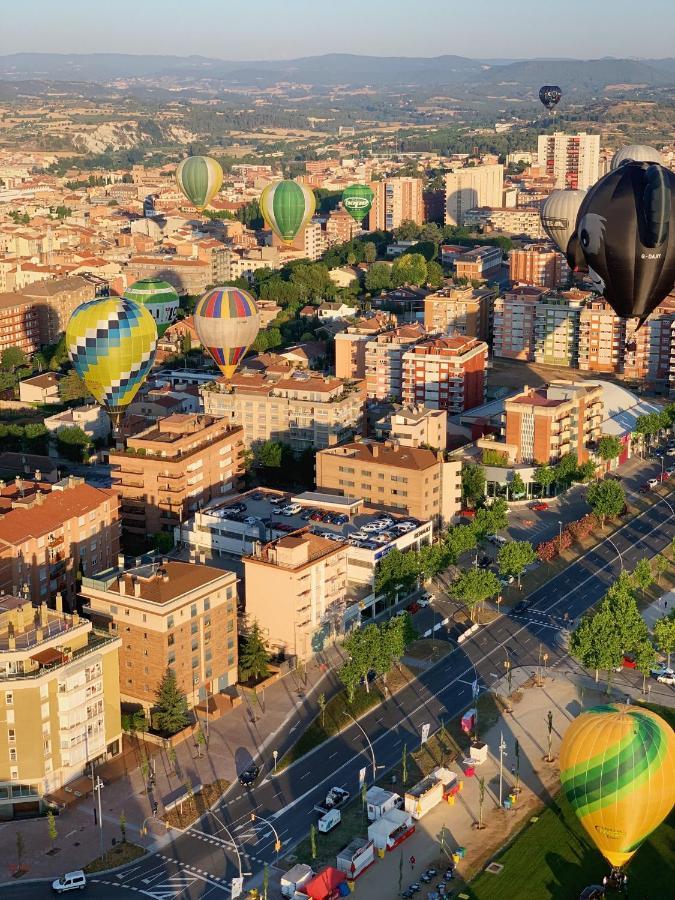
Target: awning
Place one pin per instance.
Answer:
(48, 657)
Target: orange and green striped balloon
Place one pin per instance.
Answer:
(617, 768)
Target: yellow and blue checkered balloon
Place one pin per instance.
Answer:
(111, 343)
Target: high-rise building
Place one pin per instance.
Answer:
(170, 615)
(341, 227)
(350, 345)
(396, 200)
(59, 702)
(460, 310)
(544, 424)
(572, 159)
(538, 264)
(602, 338)
(513, 325)
(166, 471)
(646, 356)
(556, 328)
(446, 373)
(305, 577)
(311, 242)
(472, 187)
(384, 361)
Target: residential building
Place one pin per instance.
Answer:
(513, 325)
(56, 299)
(572, 159)
(91, 418)
(306, 575)
(507, 220)
(544, 424)
(59, 702)
(169, 615)
(350, 345)
(460, 310)
(268, 311)
(42, 388)
(302, 409)
(538, 264)
(167, 470)
(470, 188)
(415, 426)
(602, 338)
(647, 352)
(310, 243)
(19, 323)
(556, 328)
(48, 539)
(188, 276)
(384, 361)
(446, 373)
(479, 264)
(388, 476)
(341, 227)
(396, 200)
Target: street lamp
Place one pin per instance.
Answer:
(277, 839)
(618, 552)
(275, 754)
(98, 787)
(236, 850)
(502, 754)
(372, 751)
(560, 525)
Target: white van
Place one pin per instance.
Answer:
(71, 881)
(330, 821)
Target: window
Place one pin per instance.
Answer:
(169, 622)
(195, 645)
(207, 637)
(195, 662)
(113, 610)
(194, 628)
(193, 609)
(207, 604)
(12, 754)
(208, 656)
(9, 698)
(11, 735)
(171, 659)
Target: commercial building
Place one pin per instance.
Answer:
(168, 615)
(472, 187)
(460, 310)
(479, 264)
(396, 200)
(513, 325)
(391, 477)
(538, 264)
(602, 338)
(556, 328)
(59, 702)
(446, 373)
(572, 159)
(384, 361)
(47, 539)
(302, 409)
(544, 424)
(167, 470)
(295, 588)
(350, 345)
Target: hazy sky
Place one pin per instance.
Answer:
(254, 29)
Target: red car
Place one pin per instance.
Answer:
(468, 513)
(539, 506)
(412, 608)
(629, 663)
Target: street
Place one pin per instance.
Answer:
(200, 862)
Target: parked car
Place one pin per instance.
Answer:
(291, 510)
(413, 607)
(666, 678)
(306, 515)
(497, 539)
(653, 483)
(628, 662)
(538, 506)
(660, 669)
(71, 881)
(249, 776)
(468, 513)
(341, 519)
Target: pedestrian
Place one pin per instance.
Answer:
(412, 862)
(604, 881)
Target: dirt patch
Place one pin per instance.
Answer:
(195, 806)
(119, 855)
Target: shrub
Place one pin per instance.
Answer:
(547, 551)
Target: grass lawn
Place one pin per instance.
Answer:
(119, 855)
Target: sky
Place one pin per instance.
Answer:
(284, 29)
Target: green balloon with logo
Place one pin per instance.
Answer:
(357, 200)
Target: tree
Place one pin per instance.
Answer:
(517, 486)
(619, 603)
(491, 519)
(349, 674)
(435, 275)
(481, 801)
(378, 278)
(458, 539)
(642, 574)
(595, 643)
(664, 634)
(410, 268)
(645, 660)
(321, 700)
(71, 387)
(12, 358)
(566, 468)
(171, 707)
(51, 827)
(514, 557)
(606, 499)
(660, 565)
(475, 587)
(73, 443)
(586, 471)
(397, 569)
(268, 454)
(544, 476)
(163, 541)
(369, 252)
(609, 447)
(254, 656)
(473, 482)
(123, 826)
(200, 741)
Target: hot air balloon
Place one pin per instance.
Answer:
(111, 343)
(636, 153)
(626, 234)
(200, 179)
(227, 322)
(617, 769)
(559, 216)
(357, 200)
(287, 207)
(159, 298)
(550, 95)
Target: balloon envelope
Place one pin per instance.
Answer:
(617, 769)
(287, 207)
(111, 343)
(357, 200)
(160, 299)
(559, 216)
(636, 153)
(626, 234)
(550, 95)
(199, 178)
(227, 322)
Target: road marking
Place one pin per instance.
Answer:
(333, 754)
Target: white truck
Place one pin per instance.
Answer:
(295, 878)
(335, 798)
(330, 820)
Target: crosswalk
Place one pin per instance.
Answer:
(160, 883)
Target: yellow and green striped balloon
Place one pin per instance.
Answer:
(617, 769)
(287, 207)
(199, 178)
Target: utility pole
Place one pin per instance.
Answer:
(98, 786)
(502, 754)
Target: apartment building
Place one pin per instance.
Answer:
(166, 471)
(340, 227)
(513, 325)
(310, 243)
(556, 328)
(572, 159)
(56, 299)
(396, 200)
(168, 615)
(460, 310)
(446, 373)
(392, 477)
(302, 409)
(307, 577)
(546, 423)
(188, 276)
(647, 352)
(470, 188)
(416, 426)
(19, 323)
(479, 264)
(49, 537)
(59, 701)
(602, 338)
(507, 220)
(350, 345)
(384, 361)
(538, 264)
